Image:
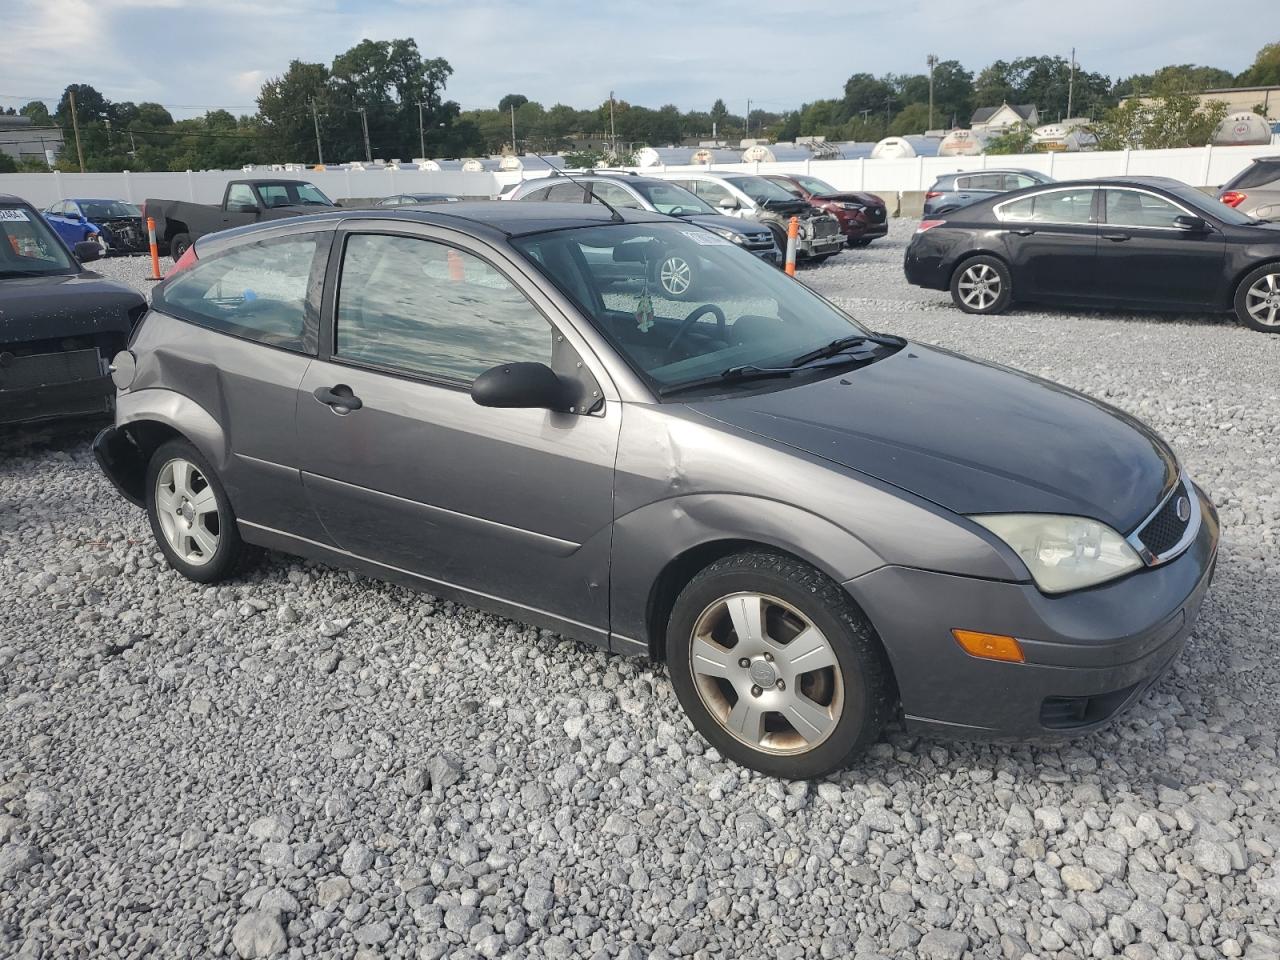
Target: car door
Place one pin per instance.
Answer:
(252, 321)
(57, 218)
(1145, 258)
(513, 504)
(1052, 242)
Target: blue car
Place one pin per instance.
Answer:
(113, 225)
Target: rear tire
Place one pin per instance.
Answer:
(1257, 299)
(178, 245)
(776, 714)
(190, 514)
(860, 243)
(982, 285)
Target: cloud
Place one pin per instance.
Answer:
(196, 54)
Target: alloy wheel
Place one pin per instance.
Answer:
(979, 286)
(766, 673)
(1262, 300)
(675, 275)
(188, 512)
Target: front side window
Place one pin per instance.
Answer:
(428, 309)
(671, 198)
(1059, 206)
(759, 189)
(816, 186)
(712, 192)
(258, 291)
(1130, 208)
(29, 247)
(741, 311)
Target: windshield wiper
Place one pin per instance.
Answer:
(841, 344)
(738, 374)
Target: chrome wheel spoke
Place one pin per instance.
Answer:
(711, 660)
(746, 719)
(747, 613)
(812, 721)
(206, 541)
(185, 513)
(204, 502)
(806, 652)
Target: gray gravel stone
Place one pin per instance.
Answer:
(258, 934)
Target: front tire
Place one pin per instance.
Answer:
(190, 514)
(1257, 300)
(777, 667)
(982, 285)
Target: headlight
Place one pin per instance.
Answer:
(728, 235)
(852, 206)
(1064, 553)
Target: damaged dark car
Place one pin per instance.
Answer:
(60, 324)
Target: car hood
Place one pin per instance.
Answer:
(972, 437)
(37, 308)
(852, 196)
(721, 222)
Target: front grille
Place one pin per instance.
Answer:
(40, 369)
(759, 240)
(1165, 529)
(825, 228)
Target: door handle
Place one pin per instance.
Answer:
(1116, 237)
(339, 398)
(1024, 232)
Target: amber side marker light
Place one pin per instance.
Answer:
(989, 646)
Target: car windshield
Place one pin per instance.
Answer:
(28, 247)
(760, 190)
(672, 199)
(108, 209)
(814, 185)
(682, 304)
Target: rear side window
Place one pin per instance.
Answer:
(1131, 208)
(567, 193)
(982, 181)
(1261, 173)
(615, 195)
(428, 309)
(1060, 206)
(260, 291)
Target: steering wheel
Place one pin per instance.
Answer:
(687, 324)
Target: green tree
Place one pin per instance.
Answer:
(1014, 139)
(38, 113)
(91, 106)
(284, 106)
(512, 100)
(864, 95)
(1265, 71)
(1172, 120)
(7, 163)
(911, 120)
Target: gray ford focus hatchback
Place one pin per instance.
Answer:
(819, 528)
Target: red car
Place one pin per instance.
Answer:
(862, 216)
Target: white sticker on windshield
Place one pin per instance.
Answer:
(706, 238)
(11, 215)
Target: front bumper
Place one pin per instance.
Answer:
(85, 396)
(1089, 654)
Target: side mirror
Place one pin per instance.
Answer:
(87, 250)
(1191, 224)
(75, 216)
(523, 385)
(245, 208)
(727, 203)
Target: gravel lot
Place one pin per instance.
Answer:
(307, 763)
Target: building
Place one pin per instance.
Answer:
(23, 140)
(1264, 101)
(996, 120)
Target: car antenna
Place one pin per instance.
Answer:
(616, 217)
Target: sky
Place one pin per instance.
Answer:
(191, 55)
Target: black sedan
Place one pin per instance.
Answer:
(1137, 242)
(59, 323)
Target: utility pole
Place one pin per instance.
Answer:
(746, 131)
(422, 133)
(75, 125)
(364, 125)
(887, 101)
(932, 61)
(513, 127)
(315, 117)
(613, 132)
(1071, 82)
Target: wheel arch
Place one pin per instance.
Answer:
(1233, 288)
(968, 255)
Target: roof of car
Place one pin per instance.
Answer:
(10, 198)
(506, 217)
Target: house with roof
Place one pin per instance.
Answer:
(996, 120)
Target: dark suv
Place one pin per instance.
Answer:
(862, 216)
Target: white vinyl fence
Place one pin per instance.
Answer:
(1198, 166)
(42, 189)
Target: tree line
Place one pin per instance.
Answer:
(384, 99)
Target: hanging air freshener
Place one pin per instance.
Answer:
(644, 311)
